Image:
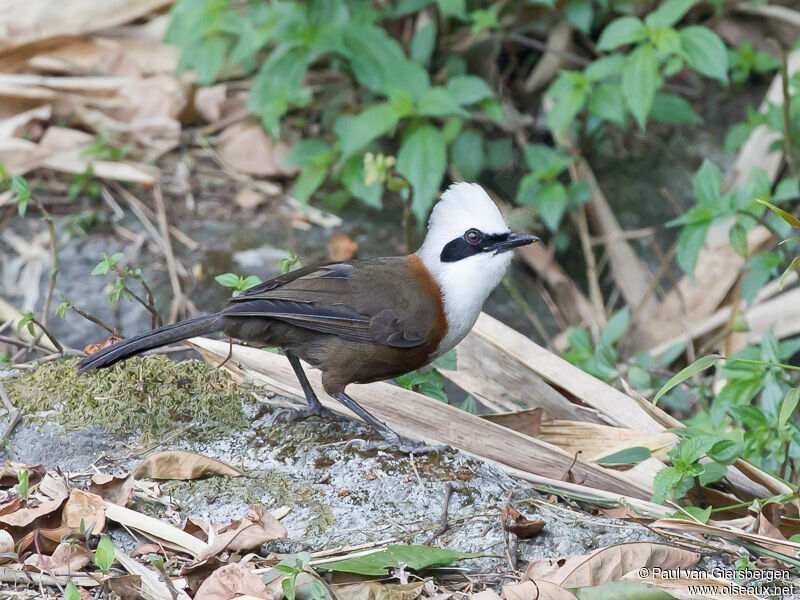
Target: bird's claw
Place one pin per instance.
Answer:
(396, 444)
(287, 414)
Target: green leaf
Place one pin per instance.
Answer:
(552, 202)
(787, 189)
(580, 340)
(790, 219)
(104, 555)
(499, 154)
(569, 97)
(607, 103)
(439, 102)
(705, 52)
(467, 154)
(71, 592)
(469, 89)
(580, 14)
(288, 587)
(673, 110)
(625, 30)
(727, 451)
(640, 80)
(665, 481)
(738, 239)
(207, 58)
(669, 13)
(707, 184)
(701, 364)
(546, 162)
(621, 590)
(712, 472)
(690, 241)
(604, 67)
(421, 160)
(23, 482)
(615, 327)
(737, 136)
(369, 125)
(453, 8)
(422, 43)
(228, 280)
(788, 406)
(628, 456)
(792, 266)
(415, 557)
(447, 361)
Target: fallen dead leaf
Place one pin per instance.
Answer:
(525, 421)
(8, 473)
(209, 100)
(232, 581)
(245, 147)
(486, 595)
(54, 487)
(6, 544)
(341, 247)
(519, 525)
(25, 517)
(127, 587)
(343, 493)
(145, 549)
(373, 590)
(608, 564)
(248, 198)
(93, 348)
(179, 464)
(685, 587)
(113, 488)
(66, 559)
(11, 506)
(84, 508)
(536, 590)
(247, 533)
(159, 531)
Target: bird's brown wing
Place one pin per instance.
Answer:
(368, 301)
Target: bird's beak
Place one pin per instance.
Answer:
(514, 240)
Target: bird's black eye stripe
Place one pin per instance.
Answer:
(461, 248)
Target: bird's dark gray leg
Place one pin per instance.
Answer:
(391, 440)
(314, 405)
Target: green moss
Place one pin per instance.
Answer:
(150, 395)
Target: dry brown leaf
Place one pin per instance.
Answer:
(127, 587)
(373, 590)
(341, 247)
(25, 517)
(8, 473)
(153, 586)
(247, 533)
(231, 581)
(520, 525)
(768, 522)
(84, 508)
(485, 595)
(54, 487)
(159, 531)
(113, 488)
(525, 421)
(725, 533)
(179, 464)
(145, 549)
(245, 147)
(209, 100)
(96, 347)
(536, 590)
(248, 198)
(608, 564)
(66, 559)
(11, 506)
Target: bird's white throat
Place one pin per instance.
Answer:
(465, 283)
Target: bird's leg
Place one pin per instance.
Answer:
(391, 440)
(230, 353)
(314, 405)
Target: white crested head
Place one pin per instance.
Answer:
(466, 251)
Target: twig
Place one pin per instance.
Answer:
(49, 335)
(48, 219)
(787, 119)
(96, 320)
(416, 472)
(14, 414)
(448, 493)
(595, 295)
(163, 225)
(544, 48)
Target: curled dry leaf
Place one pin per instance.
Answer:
(245, 147)
(11, 506)
(84, 507)
(127, 587)
(28, 516)
(608, 564)
(145, 549)
(209, 100)
(247, 198)
(247, 533)
(373, 590)
(519, 525)
(54, 487)
(179, 464)
(66, 559)
(536, 590)
(113, 488)
(93, 348)
(232, 581)
(341, 247)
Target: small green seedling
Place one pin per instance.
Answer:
(104, 555)
(23, 483)
(236, 282)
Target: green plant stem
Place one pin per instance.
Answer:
(49, 335)
(149, 304)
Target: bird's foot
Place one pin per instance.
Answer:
(395, 443)
(287, 414)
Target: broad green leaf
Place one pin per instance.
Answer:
(792, 266)
(673, 110)
(422, 43)
(736, 136)
(727, 451)
(790, 219)
(620, 590)
(788, 406)
(628, 456)
(707, 183)
(615, 327)
(207, 58)
(580, 14)
(625, 30)
(552, 202)
(453, 8)
(546, 162)
(421, 160)
(700, 514)
(669, 13)
(579, 339)
(604, 67)
(787, 189)
(353, 177)
(369, 125)
(690, 241)
(415, 557)
(468, 89)
(711, 473)
(467, 154)
(310, 178)
(701, 364)
(307, 151)
(499, 154)
(228, 280)
(569, 97)
(104, 555)
(71, 592)
(738, 239)
(640, 80)
(439, 102)
(705, 52)
(607, 103)
(665, 482)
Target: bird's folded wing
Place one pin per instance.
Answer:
(320, 299)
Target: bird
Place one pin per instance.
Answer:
(366, 320)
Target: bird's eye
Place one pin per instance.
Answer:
(473, 236)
